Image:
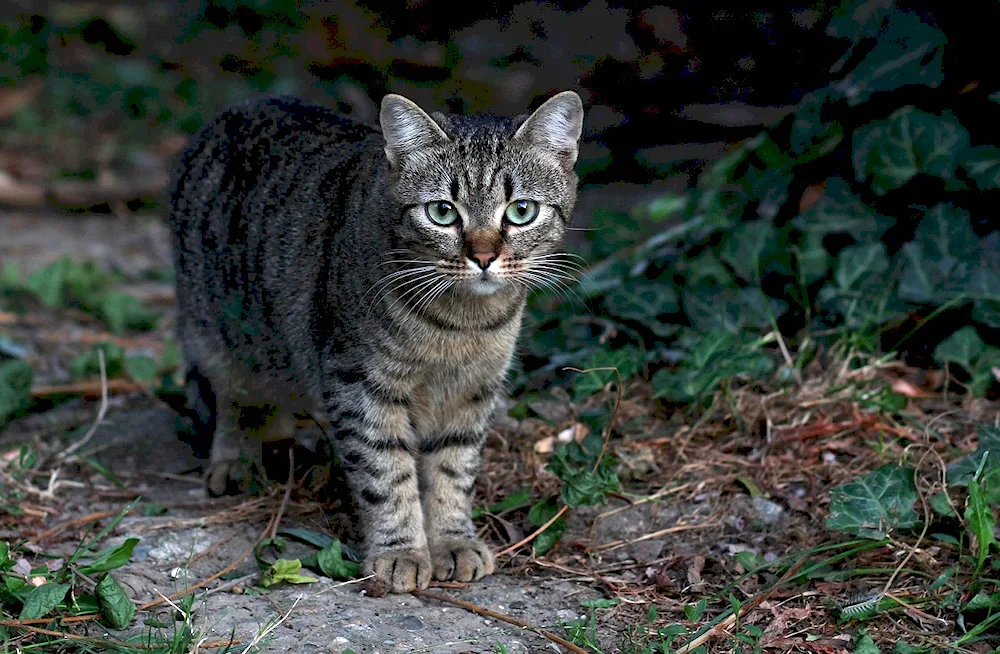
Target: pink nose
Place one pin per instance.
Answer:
(484, 259)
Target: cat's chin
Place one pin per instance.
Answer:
(485, 286)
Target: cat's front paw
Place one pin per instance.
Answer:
(401, 571)
(225, 478)
(461, 559)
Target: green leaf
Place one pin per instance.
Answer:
(693, 612)
(908, 51)
(859, 264)
(121, 311)
(333, 564)
(839, 211)
(744, 245)
(110, 558)
(963, 347)
(982, 164)
(517, 499)
(865, 645)
(141, 368)
(889, 153)
(876, 504)
(314, 538)
(116, 607)
(940, 260)
(600, 603)
(710, 359)
(812, 134)
(16, 377)
(939, 503)
(583, 486)
(984, 290)
(284, 570)
(89, 363)
(538, 515)
(983, 601)
(644, 301)
(627, 360)
(985, 461)
(43, 599)
(979, 515)
(730, 309)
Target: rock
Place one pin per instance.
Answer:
(410, 623)
(338, 645)
(768, 512)
(646, 550)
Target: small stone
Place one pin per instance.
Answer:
(410, 623)
(338, 645)
(647, 550)
(769, 512)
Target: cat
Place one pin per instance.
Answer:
(378, 276)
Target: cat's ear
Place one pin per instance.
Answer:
(407, 128)
(556, 125)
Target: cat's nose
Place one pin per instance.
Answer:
(484, 259)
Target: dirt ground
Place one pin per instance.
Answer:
(675, 546)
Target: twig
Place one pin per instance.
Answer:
(100, 412)
(920, 538)
(615, 544)
(744, 609)
(479, 610)
(530, 537)
(269, 629)
(87, 389)
(287, 495)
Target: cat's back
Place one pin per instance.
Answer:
(260, 144)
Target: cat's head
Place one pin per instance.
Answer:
(485, 202)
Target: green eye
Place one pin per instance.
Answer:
(521, 212)
(441, 212)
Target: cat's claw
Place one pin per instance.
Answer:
(401, 571)
(466, 559)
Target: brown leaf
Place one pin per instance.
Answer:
(904, 387)
(694, 571)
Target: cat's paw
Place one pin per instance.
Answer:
(461, 559)
(401, 571)
(225, 478)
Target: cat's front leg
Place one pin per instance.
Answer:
(376, 444)
(449, 464)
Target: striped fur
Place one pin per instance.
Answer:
(311, 277)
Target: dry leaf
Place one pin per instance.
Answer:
(904, 387)
(545, 445)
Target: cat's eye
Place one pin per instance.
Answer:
(521, 212)
(441, 212)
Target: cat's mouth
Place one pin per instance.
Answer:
(486, 283)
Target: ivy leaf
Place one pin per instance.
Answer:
(16, 377)
(744, 245)
(333, 564)
(644, 301)
(982, 164)
(813, 136)
(730, 309)
(987, 457)
(865, 645)
(627, 360)
(839, 211)
(876, 504)
(860, 263)
(979, 515)
(908, 51)
(963, 347)
(889, 153)
(984, 289)
(284, 570)
(42, 599)
(141, 368)
(116, 607)
(709, 360)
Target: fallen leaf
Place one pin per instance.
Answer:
(903, 387)
(546, 445)
(694, 571)
(38, 581)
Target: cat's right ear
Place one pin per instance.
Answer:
(407, 128)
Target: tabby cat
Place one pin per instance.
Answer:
(379, 277)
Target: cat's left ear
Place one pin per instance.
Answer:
(557, 126)
(407, 128)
